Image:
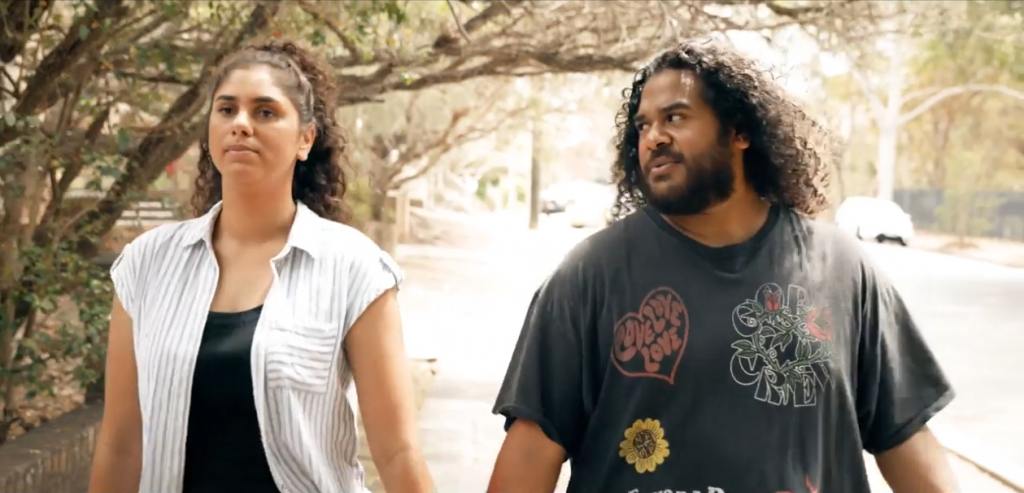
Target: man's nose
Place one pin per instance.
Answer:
(655, 137)
(241, 125)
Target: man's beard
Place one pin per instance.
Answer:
(709, 181)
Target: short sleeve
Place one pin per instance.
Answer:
(124, 272)
(369, 276)
(900, 385)
(543, 383)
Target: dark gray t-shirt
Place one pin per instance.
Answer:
(661, 364)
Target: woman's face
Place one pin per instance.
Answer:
(255, 135)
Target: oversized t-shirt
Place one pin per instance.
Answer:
(663, 365)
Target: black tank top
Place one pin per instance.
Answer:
(223, 451)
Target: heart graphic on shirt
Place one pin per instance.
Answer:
(650, 341)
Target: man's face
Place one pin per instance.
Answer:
(684, 156)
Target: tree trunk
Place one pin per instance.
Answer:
(889, 125)
(888, 141)
(535, 172)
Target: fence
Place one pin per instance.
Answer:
(1006, 211)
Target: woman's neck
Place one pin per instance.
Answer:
(256, 218)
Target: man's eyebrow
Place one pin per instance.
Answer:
(668, 108)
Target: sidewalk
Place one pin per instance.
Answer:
(465, 307)
(1003, 252)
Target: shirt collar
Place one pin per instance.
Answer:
(304, 234)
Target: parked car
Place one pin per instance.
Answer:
(554, 200)
(870, 218)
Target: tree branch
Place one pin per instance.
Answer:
(953, 91)
(458, 23)
(346, 41)
(65, 55)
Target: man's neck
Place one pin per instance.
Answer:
(732, 222)
(256, 218)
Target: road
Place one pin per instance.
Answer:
(969, 311)
(465, 307)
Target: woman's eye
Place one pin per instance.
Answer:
(266, 113)
(225, 110)
(675, 118)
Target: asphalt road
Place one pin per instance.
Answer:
(970, 312)
(465, 308)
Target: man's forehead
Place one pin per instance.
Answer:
(669, 84)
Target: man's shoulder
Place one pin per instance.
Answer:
(610, 242)
(603, 250)
(827, 243)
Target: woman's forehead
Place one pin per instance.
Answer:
(251, 83)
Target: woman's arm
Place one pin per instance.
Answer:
(376, 353)
(117, 463)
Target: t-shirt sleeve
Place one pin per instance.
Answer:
(543, 383)
(370, 275)
(124, 273)
(900, 384)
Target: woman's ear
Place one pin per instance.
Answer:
(306, 139)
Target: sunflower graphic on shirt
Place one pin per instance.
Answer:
(645, 446)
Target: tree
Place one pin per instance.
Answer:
(104, 94)
(888, 84)
(395, 149)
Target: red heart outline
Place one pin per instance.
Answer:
(647, 317)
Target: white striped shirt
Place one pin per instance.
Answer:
(324, 279)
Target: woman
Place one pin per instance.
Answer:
(235, 335)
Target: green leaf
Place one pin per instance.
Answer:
(123, 140)
(743, 345)
(83, 32)
(803, 350)
(10, 119)
(785, 340)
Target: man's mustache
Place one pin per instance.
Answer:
(667, 152)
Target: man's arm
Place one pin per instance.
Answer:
(918, 465)
(900, 388)
(529, 461)
(541, 397)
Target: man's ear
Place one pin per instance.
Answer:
(306, 140)
(740, 140)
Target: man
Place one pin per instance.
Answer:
(717, 339)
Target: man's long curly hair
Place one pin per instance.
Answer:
(319, 182)
(790, 155)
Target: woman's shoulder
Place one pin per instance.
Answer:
(167, 238)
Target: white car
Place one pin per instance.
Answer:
(875, 219)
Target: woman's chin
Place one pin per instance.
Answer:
(239, 171)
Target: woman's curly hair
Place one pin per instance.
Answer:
(319, 182)
(790, 155)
